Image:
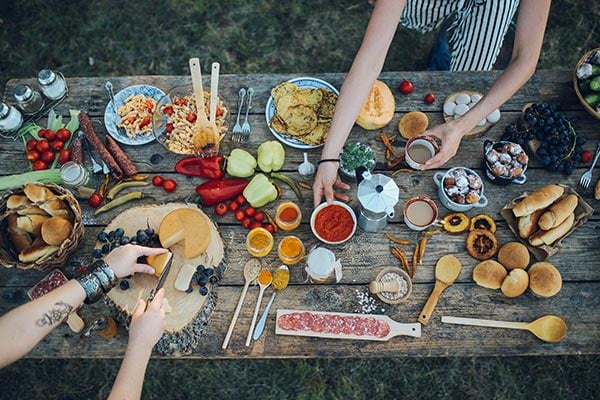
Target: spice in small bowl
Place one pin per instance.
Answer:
(291, 250)
(259, 242)
(288, 216)
(333, 223)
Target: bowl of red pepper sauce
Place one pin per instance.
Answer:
(333, 223)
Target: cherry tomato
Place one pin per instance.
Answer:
(270, 228)
(47, 156)
(145, 122)
(586, 157)
(50, 135)
(239, 215)
(33, 155)
(39, 165)
(259, 216)
(250, 211)
(241, 200)
(169, 127)
(63, 134)
(64, 156)
(232, 206)
(246, 222)
(406, 87)
(180, 101)
(169, 185)
(255, 224)
(58, 145)
(42, 132)
(219, 112)
(30, 145)
(168, 110)
(157, 180)
(221, 209)
(191, 117)
(95, 200)
(42, 146)
(429, 98)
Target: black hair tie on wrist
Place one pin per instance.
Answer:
(328, 160)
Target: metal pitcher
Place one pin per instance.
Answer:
(377, 195)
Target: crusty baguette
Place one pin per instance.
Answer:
(597, 191)
(548, 237)
(541, 198)
(37, 250)
(558, 212)
(528, 224)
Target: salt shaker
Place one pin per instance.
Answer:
(29, 101)
(52, 84)
(10, 118)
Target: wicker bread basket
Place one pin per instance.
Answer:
(9, 257)
(586, 57)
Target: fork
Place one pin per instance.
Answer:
(586, 178)
(95, 166)
(246, 126)
(237, 129)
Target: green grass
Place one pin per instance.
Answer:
(113, 37)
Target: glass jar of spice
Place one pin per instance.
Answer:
(52, 84)
(10, 118)
(259, 242)
(291, 250)
(29, 101)
(288, 216)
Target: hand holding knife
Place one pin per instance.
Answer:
(160, 283)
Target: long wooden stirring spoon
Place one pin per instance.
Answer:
(265, 278)
(206, 132)
(251, 271)
(548, 328)
(214, 90)
(447, 270)
(281, 278)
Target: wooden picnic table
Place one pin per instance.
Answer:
(365, 254)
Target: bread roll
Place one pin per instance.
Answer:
(544, 279)
(20, 240)
(513, 255)
(597, 191)
(31, 223)
(515, 283)
(38, 249)
(37, 193)
(56, 230)
(558, 212)
(528, 224)
(412, 124)
(548, 237)
(489, 274)
(17, 200)
(541, 198)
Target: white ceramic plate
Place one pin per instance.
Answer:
(270, 110)
(111, 117)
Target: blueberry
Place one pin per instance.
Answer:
(124, 285)
(203, 290)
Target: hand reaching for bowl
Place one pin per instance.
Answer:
(325, 181)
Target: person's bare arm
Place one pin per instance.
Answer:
(365, 69)
(529, 35)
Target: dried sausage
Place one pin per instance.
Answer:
(119, 155)
(96, 143)
(77, 151)
(336, 324)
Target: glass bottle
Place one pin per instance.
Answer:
(29, 101)
(76, 177)
(10, 118)
(52, 84)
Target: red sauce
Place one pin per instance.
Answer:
(334, 223)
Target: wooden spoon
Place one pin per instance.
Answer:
(549, 328)
(268, 279)
(206, 131)
(251, 271)
(447, 270)
(214, 90)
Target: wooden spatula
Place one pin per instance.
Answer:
(206, 137)
(447, 270)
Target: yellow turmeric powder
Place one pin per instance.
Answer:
(265, 277)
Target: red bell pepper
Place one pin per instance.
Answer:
(207, 167)
(219, 190)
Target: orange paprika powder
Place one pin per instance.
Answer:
(334, 223)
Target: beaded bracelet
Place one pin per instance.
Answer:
(98, 281)
(328, 160)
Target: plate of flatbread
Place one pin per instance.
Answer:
(299, 111)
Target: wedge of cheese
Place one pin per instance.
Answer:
(159, 262)
(187, 225)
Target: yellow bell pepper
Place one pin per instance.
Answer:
(240, 163)
(271, 156)
(260, 191)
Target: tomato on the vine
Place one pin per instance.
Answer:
(33, 155)
(39, 165)
(250, 211)
(259, 216)
(169, 185)
(63, 134)
(58, 145)
(30, 145)
(42, 132)
(95, 200)
(50, 135)
(232, 206)
(239, 215)
(246, 222)
(64, 156)
(221, 209)
(47, 156)
(240, 199)
(42, 146)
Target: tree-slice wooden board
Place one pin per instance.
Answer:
(478, 130)
(186, 308)
(329, 325)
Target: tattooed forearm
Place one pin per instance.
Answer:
(58, 313)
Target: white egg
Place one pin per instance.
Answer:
(482, 122)
(475, 98)
(463, 98)
(461, 109)
(449, 108)
(494, 116)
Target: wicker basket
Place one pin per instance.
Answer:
(9, 258)
(586, 57)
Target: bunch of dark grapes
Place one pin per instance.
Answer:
(202, 276)
(113, 239)
(559, 145)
